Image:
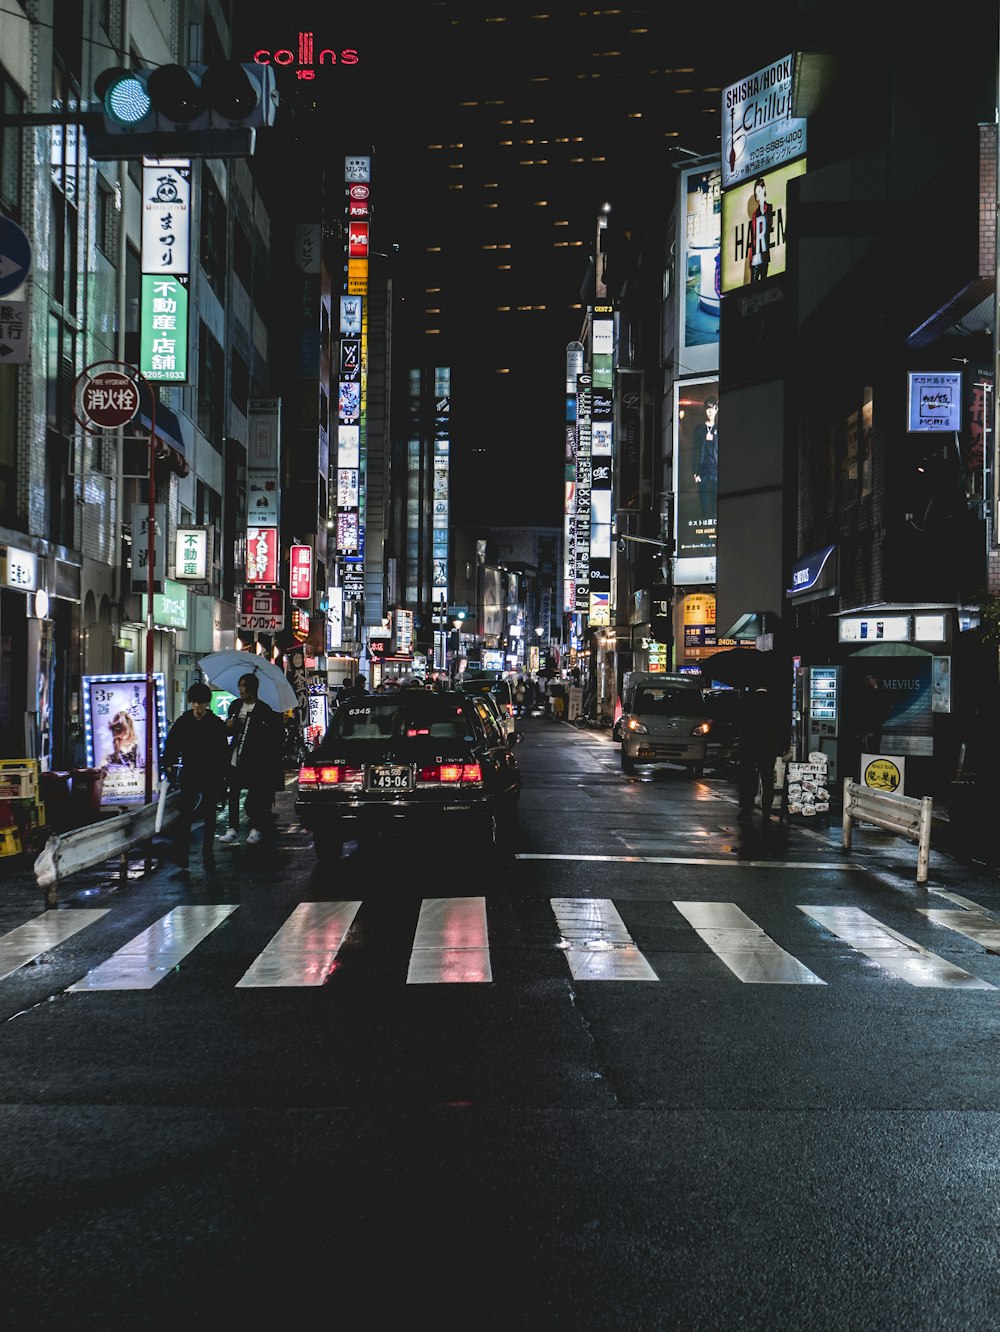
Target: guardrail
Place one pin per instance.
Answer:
(83, 848)
(905, 815)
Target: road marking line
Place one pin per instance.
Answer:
(305, 949)
(151, 955)
(596, 943)
(893, 951)
(743, 946)
(975, 925)
(451, 943)
(23, 944)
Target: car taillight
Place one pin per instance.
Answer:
(328, 774)
(464, 774)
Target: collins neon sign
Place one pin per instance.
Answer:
(305, 57)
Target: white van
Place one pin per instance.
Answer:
(664, 720)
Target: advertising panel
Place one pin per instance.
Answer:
(755, 228)
(193, 553)
(140, 547)
(166, 216)
(581, 570)
(300, 573)
(933, 401)
(262, 554)
(114, 720)
(350, 316)
(701, 266)
(758, 132)
(163, 325)
(696, 448)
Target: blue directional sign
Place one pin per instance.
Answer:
(15, 256)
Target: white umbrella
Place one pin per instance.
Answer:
(224, 669)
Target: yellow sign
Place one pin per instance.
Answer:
(882, 774)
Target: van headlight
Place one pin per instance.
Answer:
(636, 726)
(702, 729)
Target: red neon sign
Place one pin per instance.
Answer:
(300, 573)
(306, 57)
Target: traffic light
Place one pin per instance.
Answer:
(182, 110)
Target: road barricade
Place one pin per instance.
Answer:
(905, 815)
(83, 848)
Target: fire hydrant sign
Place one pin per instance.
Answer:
(110, 399)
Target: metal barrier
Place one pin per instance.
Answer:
(83, 848)
(905, 815)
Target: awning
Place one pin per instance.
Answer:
(749, 627)
(170, 439)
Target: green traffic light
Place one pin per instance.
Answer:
(127, 100)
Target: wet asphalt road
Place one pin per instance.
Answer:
(563, 1146)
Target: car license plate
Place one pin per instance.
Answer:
(390, 777)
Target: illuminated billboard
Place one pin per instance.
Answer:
(696, 486)
(758, 132)
(755, 228)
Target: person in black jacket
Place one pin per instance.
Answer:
(255, 764)
(197, 742)
(759, 745)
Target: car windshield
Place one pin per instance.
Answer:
(407, 715)
(667, 702)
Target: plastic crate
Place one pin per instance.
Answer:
(19, 779)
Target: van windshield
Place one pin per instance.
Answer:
(667, 702)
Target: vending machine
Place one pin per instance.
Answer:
(822, 715)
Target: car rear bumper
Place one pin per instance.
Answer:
(343, 816)
(657, 749)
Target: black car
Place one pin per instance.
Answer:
(415, 761)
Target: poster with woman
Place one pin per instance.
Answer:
(114, 708)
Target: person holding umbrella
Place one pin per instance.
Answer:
(759, 745)
(255, 764)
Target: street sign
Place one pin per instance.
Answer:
(262, 609)
(15, 256)
(110, 399)
(14, 333)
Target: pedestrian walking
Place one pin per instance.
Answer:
(195, 754)
(758, 746)
(255, 764)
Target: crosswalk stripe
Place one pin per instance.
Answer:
(304, 949)
(743, 946)
(893, 951)
(596, 943)
(26, 942)
(975, 925)
(451, 943)
(146, 959)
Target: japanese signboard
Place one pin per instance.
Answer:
(758, 130)
(193, 553)
(262, 609)
(140, 547)
(163, 333)
(166, 216)
(109, 399)
(262, 554)
(14, 332)
(300, 573)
